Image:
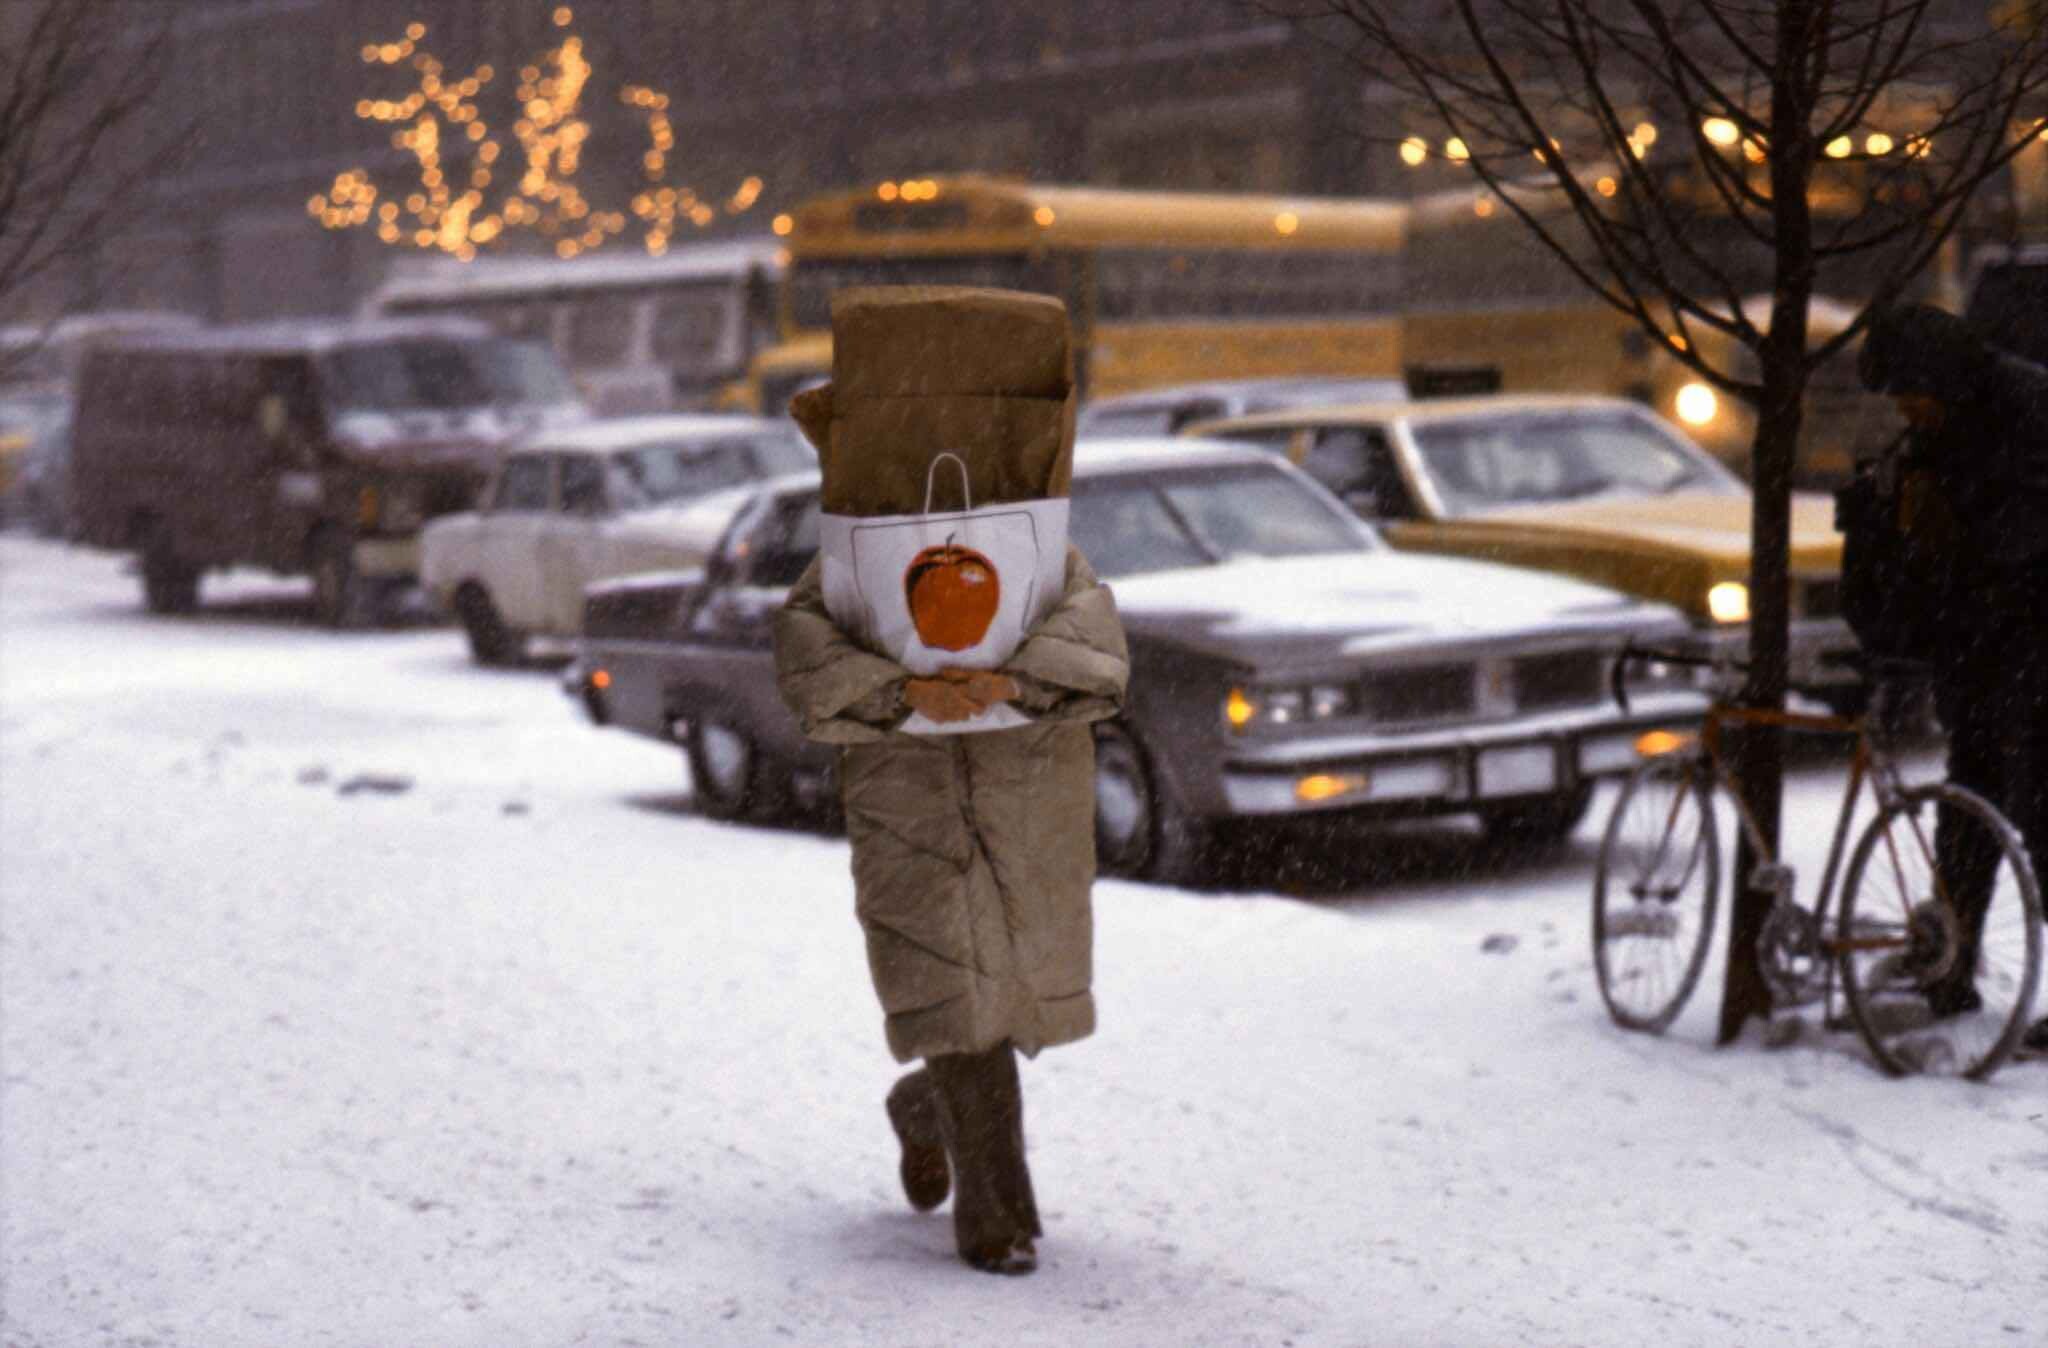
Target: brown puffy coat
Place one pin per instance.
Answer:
(972, 854)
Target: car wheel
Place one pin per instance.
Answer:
(1140, 830)
(728, 774)
(169, 584)
(491, 641)
(1537, 823)
(342, 598)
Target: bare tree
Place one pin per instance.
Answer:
(1776, 105)
(76, 79)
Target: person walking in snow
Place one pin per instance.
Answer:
(1976, 520)
(973, 853)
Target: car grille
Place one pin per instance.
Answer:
(1431, 693)
(1564, 679)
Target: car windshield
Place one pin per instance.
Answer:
(1526, 458)
(439, 373)
(677, 470)
(1129, 523)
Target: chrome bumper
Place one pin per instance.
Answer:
(1452, 769)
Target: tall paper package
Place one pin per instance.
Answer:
(946, 439)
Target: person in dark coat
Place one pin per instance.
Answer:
(1977, 450)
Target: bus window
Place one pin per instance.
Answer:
(519, 318)
(690, 327)
(600, 331)
(642, 333)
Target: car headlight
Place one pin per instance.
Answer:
(1728, 602)
(1697, 404)
(1289, 704)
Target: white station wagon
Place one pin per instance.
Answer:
(591, 502)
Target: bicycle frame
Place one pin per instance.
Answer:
(1869, 763)
(1888, 944)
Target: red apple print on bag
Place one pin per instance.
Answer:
(953, 593)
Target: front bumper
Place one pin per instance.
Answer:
(1459, 768)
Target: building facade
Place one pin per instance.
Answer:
(762, 103)
(793, 96)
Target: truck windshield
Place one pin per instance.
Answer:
(435, 373)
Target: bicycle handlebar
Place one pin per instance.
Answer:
(1876, 668)
(1633, 654)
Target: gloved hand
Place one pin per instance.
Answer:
(958, 694)
(986, 686)
(940, 699)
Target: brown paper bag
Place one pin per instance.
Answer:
(919, 371)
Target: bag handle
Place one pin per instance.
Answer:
(931, 471)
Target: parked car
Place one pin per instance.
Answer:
(1164, 411)
(1284, 662)
(578, 505)
(310, 448)
(1598, 488)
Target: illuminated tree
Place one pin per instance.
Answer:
(76, 77)
(1553, 106)
(441, 125)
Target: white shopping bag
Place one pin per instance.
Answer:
(958, 588)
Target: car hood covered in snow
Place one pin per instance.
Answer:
(1300, 610)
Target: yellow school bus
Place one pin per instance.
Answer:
(1162, 287)
(1483, 290)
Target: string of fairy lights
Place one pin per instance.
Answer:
(1720, 132)
(440, 124)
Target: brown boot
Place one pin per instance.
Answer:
(1013, 1178)
(914, 1115)
(980, 1116)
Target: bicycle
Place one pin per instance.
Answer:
(1921, 998)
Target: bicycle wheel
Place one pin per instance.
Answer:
(1922, 999)
(1658, 879)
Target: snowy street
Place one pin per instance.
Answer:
(353, 995)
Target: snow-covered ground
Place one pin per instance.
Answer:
(352, 995)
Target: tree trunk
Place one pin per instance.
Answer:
(1761, 757)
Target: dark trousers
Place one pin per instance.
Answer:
(1996, 713)
(973, 1105)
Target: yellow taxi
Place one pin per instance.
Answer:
(1592, 487)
